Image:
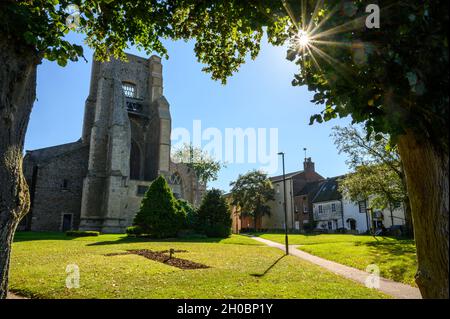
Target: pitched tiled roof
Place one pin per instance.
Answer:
(288, 176)
(47, 153)
(328, 190)
(309, 188)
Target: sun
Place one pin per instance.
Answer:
(303, 38)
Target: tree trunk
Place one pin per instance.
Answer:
(427, 177)
(406, 205)
(408, 217)
(391, 210)
(17, 95)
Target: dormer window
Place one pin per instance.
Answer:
(129, 89)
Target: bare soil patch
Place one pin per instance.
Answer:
(162, 257)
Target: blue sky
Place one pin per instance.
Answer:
(260, 95)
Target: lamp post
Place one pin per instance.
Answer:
(284, 206)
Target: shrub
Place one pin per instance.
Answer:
(214, 218)
(80, 233)
(191, 213)
(310, 226)
(160, 214)
(134, 230)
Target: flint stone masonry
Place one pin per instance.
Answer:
(92, 184)
(58, 185)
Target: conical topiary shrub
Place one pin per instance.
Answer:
(160, 216)
(214, 217)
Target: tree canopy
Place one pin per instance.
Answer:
(214, 217)
(251, 192)
(377, 172)
(225, 31)
(371, 74)
(393, 78)
(204, 166)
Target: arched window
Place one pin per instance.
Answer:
(135, 161)
(175, 182)
(129, 89)
(175, 179)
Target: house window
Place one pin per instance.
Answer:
(333, 207)
(305, 208)
(362, 206)
(141, 190)
(330, 225)
(65, 184)
(129, 89)
(320, 209)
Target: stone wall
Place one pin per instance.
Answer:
(100, 193)
(51, 197)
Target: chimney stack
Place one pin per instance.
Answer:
(308, 165)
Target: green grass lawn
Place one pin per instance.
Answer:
(39, 263)
(395, 257)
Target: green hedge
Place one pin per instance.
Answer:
(214, 217)
(79, 233)
(134, 230)
(160, 214)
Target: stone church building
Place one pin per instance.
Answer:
(98, 182)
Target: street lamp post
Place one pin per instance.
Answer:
(284, 206)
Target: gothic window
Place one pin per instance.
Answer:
(175, 184)
(129, 89)
(135, 161)
(175, 179)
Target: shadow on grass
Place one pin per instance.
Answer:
(126, 240)
(399, 257)
(269, 268)
(399, 247)
(259, 234)
(21, 236)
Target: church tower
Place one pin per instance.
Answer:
(127, 126)
(99, 181)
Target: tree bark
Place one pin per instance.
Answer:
(426, 171)
(408, 217)
(406, 204)
(17, 95)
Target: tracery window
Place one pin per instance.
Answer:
(175, 179)
(129, 89)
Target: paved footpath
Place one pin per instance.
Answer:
(389, 287)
